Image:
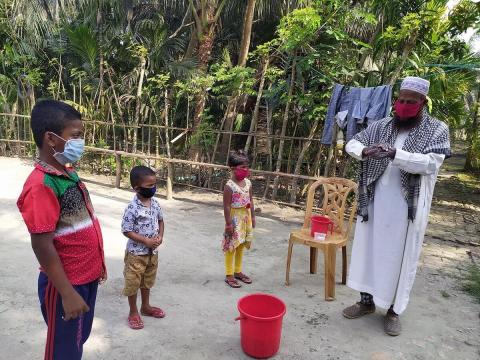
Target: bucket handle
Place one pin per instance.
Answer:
(240, 318)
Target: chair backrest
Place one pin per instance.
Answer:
(334, 204)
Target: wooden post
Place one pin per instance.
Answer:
(169, 181)
(167, 145)
(118, 166)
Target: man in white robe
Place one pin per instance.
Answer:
(400, 159)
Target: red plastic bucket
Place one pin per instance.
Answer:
(320, 224)
(261, 318)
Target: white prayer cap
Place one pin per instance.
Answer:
(416, 84)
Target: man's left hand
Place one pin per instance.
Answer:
(386, 151)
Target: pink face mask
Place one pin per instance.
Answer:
(241, 173)
(406, 111)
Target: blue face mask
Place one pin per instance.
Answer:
(72, 151)
(147, 192)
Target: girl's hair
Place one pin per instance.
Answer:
(237, 157)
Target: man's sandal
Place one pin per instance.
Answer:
(135, 322)
(232, 283)
(244, 278)
(358, 310)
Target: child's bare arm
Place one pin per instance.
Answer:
(47, 256)
(252, 207)
(161, 229)
(141, 239)
(227, 202)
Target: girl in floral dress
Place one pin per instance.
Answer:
(239, 218)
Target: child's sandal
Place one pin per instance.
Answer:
(244, 278)
(156, 312)
(232, 283)
(135, 322)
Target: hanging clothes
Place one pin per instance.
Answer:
(362, 107)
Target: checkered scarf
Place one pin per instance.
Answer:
(430, 136)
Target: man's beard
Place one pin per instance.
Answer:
(407, 123)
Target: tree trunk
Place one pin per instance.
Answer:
(298, 166)
(205, 45)
(407, 49)
(47, 10)
(472, 162)
(316, 163)
(247, 33)
(292, 142)
(284, 129)
(242, 61)
(253, 123)
(138, 100)
(269, 144)
(192, 45)
(100, 64)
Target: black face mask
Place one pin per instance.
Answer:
(147, 192)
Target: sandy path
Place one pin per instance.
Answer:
(200, 308)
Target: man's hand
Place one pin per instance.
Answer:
(73, 306)
(379, 151)
(388, 151)
(371, 151)
(254, 222)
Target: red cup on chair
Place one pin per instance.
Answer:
(321, 224)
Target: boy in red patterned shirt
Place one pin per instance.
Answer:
(65, 233)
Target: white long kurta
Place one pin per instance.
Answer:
(387, 247)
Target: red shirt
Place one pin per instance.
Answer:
(52, 201)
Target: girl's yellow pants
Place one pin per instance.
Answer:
(230, 268)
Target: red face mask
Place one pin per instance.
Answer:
(406, 111)
(241, 173)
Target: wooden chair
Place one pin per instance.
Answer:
(335, 194)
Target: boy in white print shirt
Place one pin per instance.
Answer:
(143, 225)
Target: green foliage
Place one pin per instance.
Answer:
(83, 42)
(232, 80)
(92, 53)
(159, 81)
(464, 15)
(205, 135)
(299, 28)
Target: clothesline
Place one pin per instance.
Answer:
(427, 76)
(350, 106)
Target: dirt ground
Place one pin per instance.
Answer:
(441, 321)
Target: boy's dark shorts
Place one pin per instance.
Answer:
(140, 272)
